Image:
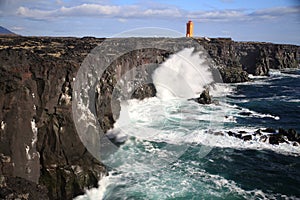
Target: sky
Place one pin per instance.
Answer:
(275, 21)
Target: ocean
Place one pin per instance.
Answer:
(173, 148)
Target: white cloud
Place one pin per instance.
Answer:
(82, 10)
(224, 15)
(137, 11)
(34, 13)
(98, 10)
(90, 9)
(276, 12)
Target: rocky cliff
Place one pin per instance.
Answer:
(238, 59)
(38, 138)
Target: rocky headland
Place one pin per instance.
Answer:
(39, 145)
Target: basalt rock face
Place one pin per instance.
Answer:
(238, 59)
(18, 188)
(38, 138)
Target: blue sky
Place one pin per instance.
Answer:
(244, 20)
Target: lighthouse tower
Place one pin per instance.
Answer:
(189, 29)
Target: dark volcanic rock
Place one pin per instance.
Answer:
(144, 91)
(269, 130)
(245, 113)
(276, 139)
(234, 134)
(283, 136)
(233, 75)
(291, 134)
(237, 59)
(247, 137)
(204, 98)
(38, 139)
(18, 188)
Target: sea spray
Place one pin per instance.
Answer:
(183, 75)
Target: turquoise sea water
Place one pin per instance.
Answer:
(170, 153)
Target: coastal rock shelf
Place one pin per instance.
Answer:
(268, 135)
(38, 139)
(256, 58)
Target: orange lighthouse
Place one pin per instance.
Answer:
(189, 29)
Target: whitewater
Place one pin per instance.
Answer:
(167, 149)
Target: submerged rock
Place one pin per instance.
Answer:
(269, 135)
(269, 130)
(247, 137)
(245, 113)
(276, 139)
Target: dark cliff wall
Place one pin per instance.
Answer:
(38, 139)
(252, 57)
(37, 131)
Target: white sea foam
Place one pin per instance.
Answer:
(190, 127)
(274, 72)
(255, 82)
(251, 76)
(96, 193)
(3, 125)
(282, 73)
(200, 137)
(220, 89)
(294, 100)
(184, 74)
(236, 111)
(260, 115)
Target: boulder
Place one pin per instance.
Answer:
(204, 98)
(247, 137)
(276, 139)
(233, 134)
(244, 113)
(283, 136)
(292, 135)
(269, 130)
